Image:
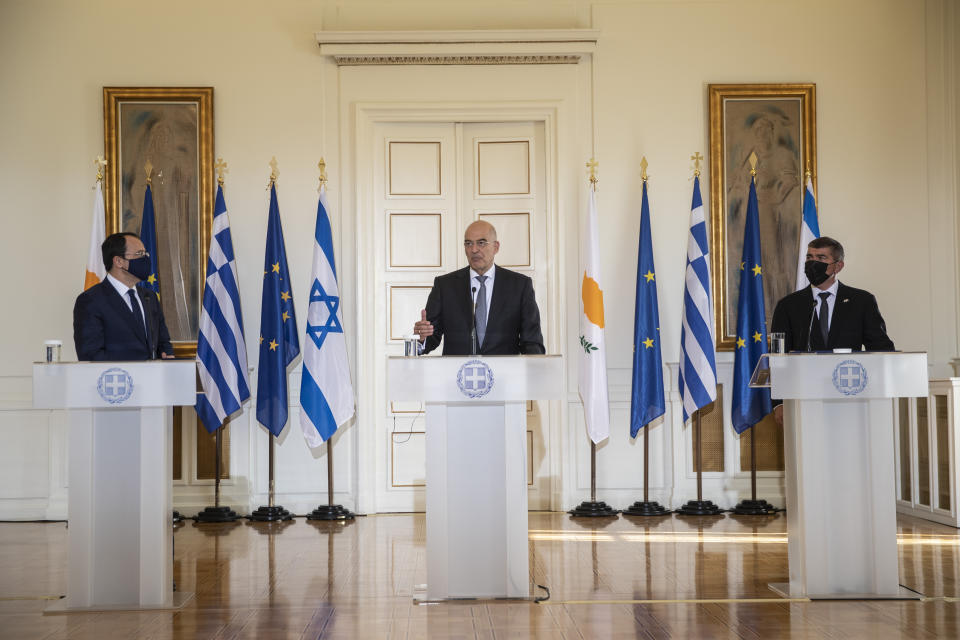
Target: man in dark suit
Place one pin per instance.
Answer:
(117, 320)
(506, 312)
(828, 314)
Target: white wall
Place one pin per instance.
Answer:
(887, 152)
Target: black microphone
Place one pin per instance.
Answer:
(813, 314)
(473, 325)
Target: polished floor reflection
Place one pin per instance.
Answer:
(667, 577)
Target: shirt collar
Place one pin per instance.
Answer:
(490, 275)
(832, 290)
(119, 286)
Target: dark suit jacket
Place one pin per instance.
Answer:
(856, 322)
(513, 321)
(104, 328)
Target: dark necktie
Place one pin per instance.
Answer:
(824, 317)
(481, 309)
(135, 310)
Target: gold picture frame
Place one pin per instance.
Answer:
(172, 127)
(779, 123)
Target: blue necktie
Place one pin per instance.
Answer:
(135, 310)
(481, 310)
(824, 317)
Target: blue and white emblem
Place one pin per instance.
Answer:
(850, 377)
(115, 385)
(475, 379)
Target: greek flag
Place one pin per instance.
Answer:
(221, 351)
(698, 365)
(809, 231)
(326, 391)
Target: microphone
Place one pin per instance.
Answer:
(813, 314)
(473, 324)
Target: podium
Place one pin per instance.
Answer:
(120, 553)
(839, 457)
(476, 466)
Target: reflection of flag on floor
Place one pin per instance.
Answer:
(326, 392)
(221, 351)
(148, 235)
(646, 401)
(593, 357)
(95, 270)
(809, 231)
(750, 405)
(279, 342)
(698, 364)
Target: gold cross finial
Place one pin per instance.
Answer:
(274, 172)
(592, 166)
(221, 168)
(322, 165)
(100, 163)
(697, 159)
(753, 163)
(643, 168)
(148, 168)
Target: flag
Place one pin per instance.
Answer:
(698, 364)
(750, 405)
(95, 270)
(809, 231)
(279, 342)
(221, 350)
(148, 235)
(326, 391)
(593, 358)
(646, 401)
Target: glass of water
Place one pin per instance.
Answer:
(778, 342)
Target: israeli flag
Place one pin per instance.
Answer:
(809, 231)
(221, 351)
(326, 390)
(698, 365)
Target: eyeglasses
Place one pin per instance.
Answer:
(469, 244)
(138, 254)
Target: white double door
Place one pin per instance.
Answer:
(430, 180)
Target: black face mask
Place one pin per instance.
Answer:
(815, 271)
(139, 267)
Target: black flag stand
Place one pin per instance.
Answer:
(216, 513)
(699, 507)
(330, 511)
(592, 508)
(270, 512)
(753, 507)
(646, 508)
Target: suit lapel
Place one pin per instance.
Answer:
(498, 299)
(463, 295)
(143, 295)
(841, 312)
(115, 300)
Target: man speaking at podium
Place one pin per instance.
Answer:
(117, 320)
(482, 308)
(828, 314)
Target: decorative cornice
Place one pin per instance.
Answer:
(348, 61)
(472, 36)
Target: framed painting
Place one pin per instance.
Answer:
(171, 128)
(778, 123)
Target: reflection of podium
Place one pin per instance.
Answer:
(120, 478)
(838, 450)
(476, 454)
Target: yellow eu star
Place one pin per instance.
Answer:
(648, 343)
(756, 336)
(757, 270)
(261, 339)
(276, 267)
(648, 275)
(742, 265)
(273, 345)
(152, 279)
(286, 316)
(740, 342)
(284, 295)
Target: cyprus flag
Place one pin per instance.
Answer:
(593, 357)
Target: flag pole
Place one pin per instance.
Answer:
(646, 508)
(699, 507)
(216, 513)
(753, 506)
(329, 511)
(592, 508)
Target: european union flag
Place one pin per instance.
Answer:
(279, 343)
(750, 405)
(148, 235)
(646, 401)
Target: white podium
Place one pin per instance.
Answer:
(476, 450)
(120, 478)
(839, 458)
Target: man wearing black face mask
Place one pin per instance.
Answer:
(828, 314)
(117, 320)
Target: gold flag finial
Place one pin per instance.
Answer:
(753, 163)
(322, 165)
(221, 168)
(592, 166)
(808, 174)
(274, 172)
(643, 168)
(148, 169)
(697, 159)
(100, 163)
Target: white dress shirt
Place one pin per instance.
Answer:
(122, 289)
(831, 301)
(475, 283)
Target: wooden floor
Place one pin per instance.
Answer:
(626, 578)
